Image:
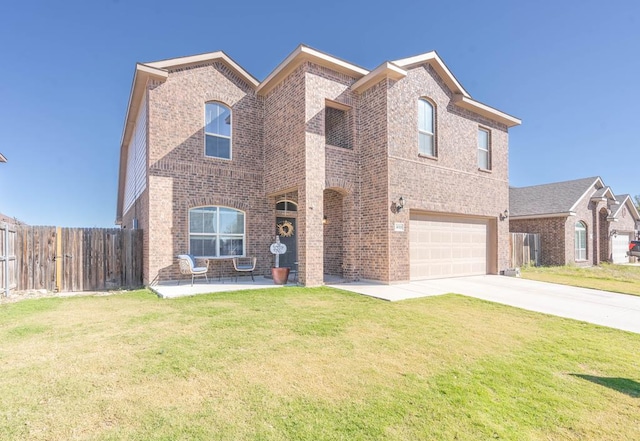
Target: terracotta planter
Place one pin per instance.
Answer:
(280, 275)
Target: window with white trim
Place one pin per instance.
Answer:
(426, 128)
(484, 149)
(216, 232)
(217, 131)
(581, 241)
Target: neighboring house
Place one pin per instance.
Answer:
(580, 222)
(392, 174)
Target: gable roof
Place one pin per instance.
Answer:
(603, 193)
(305, 53)
(2, 158)
(172, 63)
(438, 65)
(461, 97)
(390, 69)
(159, 70)
(625, 200)
(551, 200)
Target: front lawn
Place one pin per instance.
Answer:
(615, 278)
(310, 364)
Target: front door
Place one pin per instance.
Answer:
(286, 229)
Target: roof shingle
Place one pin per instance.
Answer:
(545, 199)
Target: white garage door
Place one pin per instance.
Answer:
(447, 247)
(620, 246)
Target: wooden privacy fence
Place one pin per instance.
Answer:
(77, 259)
(525, 249)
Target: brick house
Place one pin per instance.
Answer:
(392, 174)
(580, 222)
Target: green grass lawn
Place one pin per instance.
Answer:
(615, 278)
(310, 364)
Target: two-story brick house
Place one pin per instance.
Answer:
(392, 174)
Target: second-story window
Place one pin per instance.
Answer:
(426, 128)
(484, 149)
(217, 131)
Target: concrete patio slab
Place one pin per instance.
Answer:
(605, 308)
(174, 289)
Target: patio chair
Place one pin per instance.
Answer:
(244, 264)
(188, 267)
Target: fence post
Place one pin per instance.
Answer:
(5, 258)
(59, 259)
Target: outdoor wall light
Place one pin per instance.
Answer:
(613, 233)
(400, 204)
(324, 219)
(504, 215)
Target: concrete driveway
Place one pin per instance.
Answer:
(618, 311)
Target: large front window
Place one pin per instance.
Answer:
(581, 241)
(426, 128)
(216, 232)
(217, 130)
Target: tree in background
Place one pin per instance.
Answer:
(637, 199)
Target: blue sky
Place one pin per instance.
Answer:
(568, 69)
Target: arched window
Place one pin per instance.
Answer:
(426, 128)
(216, 232)
(286, 205)
(581, 241)
(217, 131)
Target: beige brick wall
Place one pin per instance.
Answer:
(372, 142)
(140, 211)
(333, 233)
(450, 183)
(625, 224)
(285, 154)
(332, 173)
(181, 177)
(553, 238)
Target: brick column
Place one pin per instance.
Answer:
(595, 231)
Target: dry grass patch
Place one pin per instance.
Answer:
(623, 279)
(309, 364)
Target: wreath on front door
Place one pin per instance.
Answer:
(285, 229)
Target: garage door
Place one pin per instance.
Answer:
(620, 246)
(447, 247)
